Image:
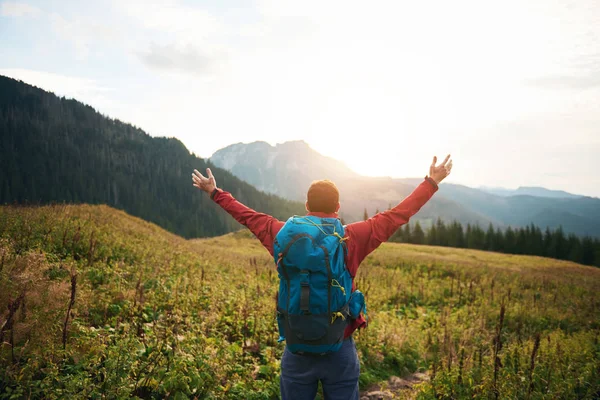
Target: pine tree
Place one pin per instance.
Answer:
(431, 237)
(510, 241)
(521, 241)
(536, 241)
(549, 250)
(574, 248)
(477, 238)
(559, 244)
(490, 239)
(455, 235)
(469, 236)
(500, 240)
(587, 251)
(406, 237)
(597, 252)
(442, 232)
(418, 236)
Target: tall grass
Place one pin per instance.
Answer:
(150, 315)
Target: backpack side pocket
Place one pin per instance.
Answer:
(357, 304)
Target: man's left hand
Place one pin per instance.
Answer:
(439, 172)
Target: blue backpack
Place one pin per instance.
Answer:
(315, 300)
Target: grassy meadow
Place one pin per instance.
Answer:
(97, 304)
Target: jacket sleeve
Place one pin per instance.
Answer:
(366, 236)
(263, 226)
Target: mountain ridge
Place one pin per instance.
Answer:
(536, 191)
(576, 214)
(262, 164)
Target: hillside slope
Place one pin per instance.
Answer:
(154, 315)
(58, 150)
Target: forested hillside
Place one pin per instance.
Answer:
(59, 150)
(529, 240)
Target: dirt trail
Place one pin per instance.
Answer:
(394, 388)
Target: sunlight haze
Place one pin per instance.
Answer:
(511, 89)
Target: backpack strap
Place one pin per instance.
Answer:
(304, 291)
(345, 248)
(311, 222)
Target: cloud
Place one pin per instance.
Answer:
(187, 58)
(68, 31)
(589, 81)
(14, 9)
(105, 99)
(178, 38)
(582, 71)
(61, 85)
(171, 17)
(84, 33)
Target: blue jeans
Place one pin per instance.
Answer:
(338, 373)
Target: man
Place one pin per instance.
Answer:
(337, 371)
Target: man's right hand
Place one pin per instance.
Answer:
(201, 182)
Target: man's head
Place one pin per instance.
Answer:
(323, 196)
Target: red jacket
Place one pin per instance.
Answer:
(363, 236)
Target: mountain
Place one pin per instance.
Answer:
(277, 169)
(287, 169)
(578, 214)
(530, 191)
(269, 168)
(59, 150)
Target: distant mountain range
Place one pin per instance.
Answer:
(287, 170)
(530, 191)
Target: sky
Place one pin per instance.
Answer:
(510, 89)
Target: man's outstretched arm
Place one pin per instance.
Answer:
(261, 225)
(366, 236)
